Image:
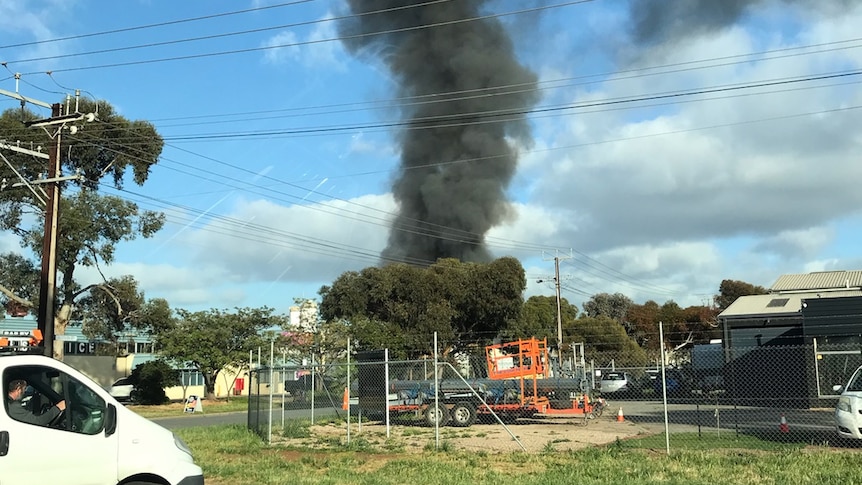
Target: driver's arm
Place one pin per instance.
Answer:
(20, 413)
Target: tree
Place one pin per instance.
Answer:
(405, 305)
(21, 282)
(730, 290)
(605, 339)
(539, 319)
(641, 323)
(150, 380)
(209, 341)
(89, 225)
(117, 306)
(606, 305)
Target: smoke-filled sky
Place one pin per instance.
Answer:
(455, 160)
(659, 147)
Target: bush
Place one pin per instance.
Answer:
(150, 380)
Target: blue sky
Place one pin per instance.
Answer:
(277, 170)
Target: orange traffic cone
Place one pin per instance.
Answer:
(345, 401)
(783, 426)
(620, 417)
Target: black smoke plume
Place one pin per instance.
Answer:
(658, 21)
(468, 95)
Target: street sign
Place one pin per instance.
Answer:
(66, 338)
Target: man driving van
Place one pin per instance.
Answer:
(20, 412)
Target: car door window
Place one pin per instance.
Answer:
(85, 409)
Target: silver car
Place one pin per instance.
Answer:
(848, 412)
(121, 389)
(615, 383)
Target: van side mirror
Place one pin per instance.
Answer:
(110, 420)
(838, 388)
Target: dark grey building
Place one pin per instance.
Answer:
(794, 343)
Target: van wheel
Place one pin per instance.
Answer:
(463, 414)
(436, 415)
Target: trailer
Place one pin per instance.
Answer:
(519, 385)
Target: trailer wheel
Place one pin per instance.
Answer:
(463, 414)
(436, 416)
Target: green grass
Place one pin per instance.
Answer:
(233, 455)
(234, 404)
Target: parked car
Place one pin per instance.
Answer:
(616, 383)
(121, 389)
(676, 382)
(848, 411)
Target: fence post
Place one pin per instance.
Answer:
(271, 365)
(313, 387)
(386, 391)
(348, 391)
(664, 387)
(436, 398)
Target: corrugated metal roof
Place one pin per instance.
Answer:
(773, 304)
(822, 280)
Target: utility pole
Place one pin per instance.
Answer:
(557, 260)
(559, 306)
(48, 276)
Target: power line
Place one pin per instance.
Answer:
(502, 116)
(311, 42)
(150, 26)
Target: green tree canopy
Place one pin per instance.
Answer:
(212, 340)
(117, 306)
(404, 305)
(539, 319)
(730, 290)
(90, 225)
(605, 339)
(608, 305)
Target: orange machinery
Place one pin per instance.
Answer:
(529, 359)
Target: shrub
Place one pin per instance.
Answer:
(150, 380)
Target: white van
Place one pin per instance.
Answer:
(848, 412)
(95, 440)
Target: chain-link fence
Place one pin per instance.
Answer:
(777, 393)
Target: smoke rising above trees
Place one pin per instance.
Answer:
(469, 97)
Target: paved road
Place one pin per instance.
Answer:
(814, 424)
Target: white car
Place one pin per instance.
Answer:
(615, 382)
(848, 412)
(121, 389)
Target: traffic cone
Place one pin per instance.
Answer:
(620, 417)
(783, 426)
(345, 401)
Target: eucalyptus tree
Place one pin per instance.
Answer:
(539, 319)
(402, 306)
(105, 153)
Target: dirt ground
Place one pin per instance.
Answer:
(535, 435)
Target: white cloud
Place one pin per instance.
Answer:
(297, 243)
(315, 49)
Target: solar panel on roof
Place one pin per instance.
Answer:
(777, 302)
